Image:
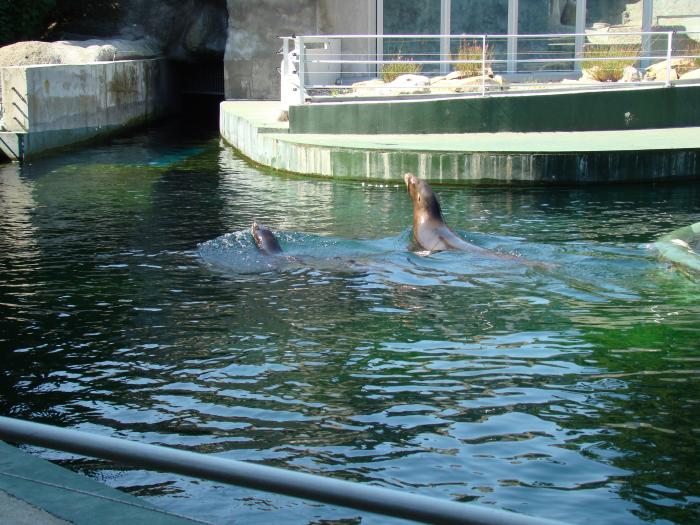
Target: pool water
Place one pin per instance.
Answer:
(135, 305)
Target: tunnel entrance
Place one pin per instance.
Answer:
(200, 89)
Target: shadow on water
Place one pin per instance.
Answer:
(135, 304)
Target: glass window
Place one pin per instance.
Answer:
(607, 21)
(682, 16)
(468, 17)
(412, 17)
(607, 13)
(545, 17)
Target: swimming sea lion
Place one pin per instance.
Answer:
(265, 240)
(430, 232)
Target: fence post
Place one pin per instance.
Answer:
(483, 65)
(669, 52)
(445, 13)
(512, 45)
(301, 52)
(285, 56)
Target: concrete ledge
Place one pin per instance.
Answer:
(12, 144)
(51, 106)
(481, 158)
(620, 109)
(70, 496)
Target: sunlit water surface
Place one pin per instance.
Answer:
(134, 304)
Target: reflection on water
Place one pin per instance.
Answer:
(134, 304)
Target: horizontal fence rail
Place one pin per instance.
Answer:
(331, 67)
(374, 499)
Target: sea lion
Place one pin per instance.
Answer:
(265, 240)
(430, 233)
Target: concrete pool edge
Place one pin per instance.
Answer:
(584, 157)
(36, 485)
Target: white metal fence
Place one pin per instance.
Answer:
(347, 67)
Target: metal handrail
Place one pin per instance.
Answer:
(379, 500)
(304, 64)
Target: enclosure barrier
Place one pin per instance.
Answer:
(379, 500)
(325, 65)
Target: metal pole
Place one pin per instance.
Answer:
(647, 15)
(580, 38)
(318, 488)
(669, 51)
(512, 46)
(380, 32)
(483, 65)
(301, 52)
(285, 88)
(445, 14)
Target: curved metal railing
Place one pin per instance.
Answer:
(260, 477)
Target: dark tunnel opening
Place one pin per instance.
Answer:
(199, 87)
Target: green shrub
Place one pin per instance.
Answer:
(389, 72)
(472, 50)
(609, 70)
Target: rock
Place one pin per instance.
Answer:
(658, 71)
(369, 88)
(185, 29)
(691, 75)
(453, 75)
(409, 85)
(587, 76)
(630, 74)
(28, 54)
(76, 52)
(468, 85)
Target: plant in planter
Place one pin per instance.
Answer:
(618, 57)
(391, 71)
(472, 51)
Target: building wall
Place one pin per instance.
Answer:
(251, 61)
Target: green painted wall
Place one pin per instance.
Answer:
(606, 110)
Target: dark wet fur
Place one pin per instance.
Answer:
(265, 240)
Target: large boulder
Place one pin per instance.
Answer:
(468, 85)
(78, 52)
(630, 74)
(691, 75)
(369, 88)
(186, 29)
(658, 71)
(409, 85)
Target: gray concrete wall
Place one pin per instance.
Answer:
(251, 60)
(251, 129)
(57, 105)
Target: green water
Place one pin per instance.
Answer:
(134, 305)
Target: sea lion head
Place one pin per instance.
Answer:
(423, 197)
(264, 239)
